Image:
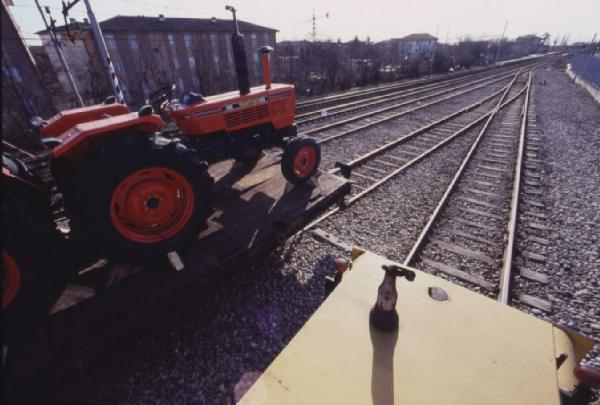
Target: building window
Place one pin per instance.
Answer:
(266, 38)
(214, 41)
(171, 40)
(188, 40)
(180, 84)
(176, 62)
(119, 68)
(16, 75)
(229, 51)
(145, 89)
(192, 62)
(254, 47)
(195, 83)
(110, 41)
(133, 43)
(216, 59)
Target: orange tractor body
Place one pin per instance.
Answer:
(124, 185)
(231, 112)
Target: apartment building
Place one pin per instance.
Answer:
(397, 51)
(194, 53)
(23, 94)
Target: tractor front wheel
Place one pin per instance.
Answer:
(141, 200)
(300, 160)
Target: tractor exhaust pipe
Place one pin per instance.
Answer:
(239, 56)
(265, 50)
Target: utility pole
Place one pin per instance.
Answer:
(61, 57)
(500, 43)
(433, 53)
(113, 81)
(314, 26)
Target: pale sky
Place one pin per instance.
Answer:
(379, 19)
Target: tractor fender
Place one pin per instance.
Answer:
(75, 142)
(67, 119)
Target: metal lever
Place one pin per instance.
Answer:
(383, 315)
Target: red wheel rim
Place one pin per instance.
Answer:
(12, 279)
(305, 161)
(152, 205)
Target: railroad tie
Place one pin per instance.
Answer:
(463, 251)
(535, 302)
(534, 256)
(533, 275)
(463, 275)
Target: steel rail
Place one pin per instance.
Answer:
(416, 159)
(506, 272)
(372, 101)
(356, 161)
(372, 90)
(405, 84)
(359, 117)
(457, 176)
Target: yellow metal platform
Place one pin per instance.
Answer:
(466, 350)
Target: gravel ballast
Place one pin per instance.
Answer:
(202, 348)
(568, 120)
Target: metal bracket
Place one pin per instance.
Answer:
(345, 169)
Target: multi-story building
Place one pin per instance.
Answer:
(397, 51)
(527, 44)
(146, 52)
(23, 94)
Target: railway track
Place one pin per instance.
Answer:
(374, 101)
(472, 231)
(471, 234)
(357, 123)
(315, 104)
(432, 137)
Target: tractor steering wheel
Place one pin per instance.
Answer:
(160, 96)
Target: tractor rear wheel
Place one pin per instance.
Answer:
(31, 279)
(300, 160)
(139, 199)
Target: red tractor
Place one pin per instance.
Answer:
(119, 181)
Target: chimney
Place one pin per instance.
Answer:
(213, 20)
(72, 21)
(161, 17)
(86, 21)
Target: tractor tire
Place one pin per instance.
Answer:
(300, 160)
(31, 278)
(137, 199)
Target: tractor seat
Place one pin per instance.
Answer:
(51, 142)
(191, 98)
